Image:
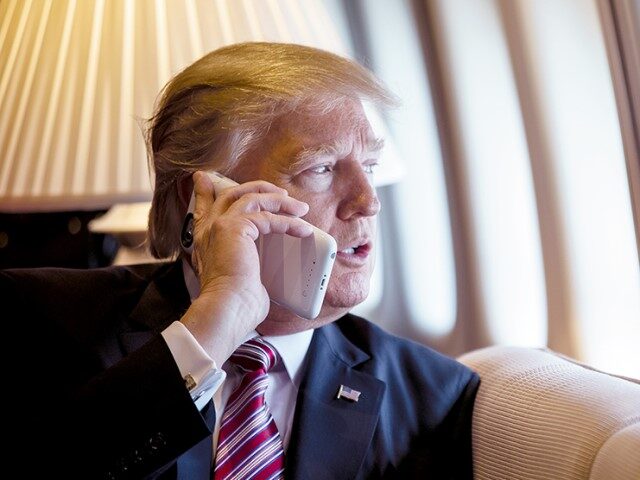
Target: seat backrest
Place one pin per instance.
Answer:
(540, 416)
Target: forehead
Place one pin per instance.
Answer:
(341, 131)
(347, 118)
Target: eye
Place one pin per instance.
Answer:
(320, 169)
(370, 167)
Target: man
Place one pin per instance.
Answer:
(132, 361)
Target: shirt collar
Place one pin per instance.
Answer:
(291, 348)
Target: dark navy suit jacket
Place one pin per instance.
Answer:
(106, 400)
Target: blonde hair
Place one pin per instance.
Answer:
(217, 109)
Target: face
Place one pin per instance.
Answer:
(329, 162)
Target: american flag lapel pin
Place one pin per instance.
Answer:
(348, 393)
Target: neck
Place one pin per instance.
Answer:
(280, 321)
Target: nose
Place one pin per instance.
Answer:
(360, 198)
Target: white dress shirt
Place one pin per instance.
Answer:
(194, 362)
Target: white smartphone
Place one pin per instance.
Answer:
(294, 271)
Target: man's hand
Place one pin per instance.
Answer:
(232, 299)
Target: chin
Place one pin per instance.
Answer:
(347, 291)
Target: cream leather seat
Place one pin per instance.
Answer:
(541, 416)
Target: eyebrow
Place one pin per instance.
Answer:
(338, 149)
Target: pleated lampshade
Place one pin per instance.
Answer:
(77, 76)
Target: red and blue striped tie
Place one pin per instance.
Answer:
(249, 445)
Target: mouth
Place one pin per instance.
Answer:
(356, 251)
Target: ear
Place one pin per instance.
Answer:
(185, 187)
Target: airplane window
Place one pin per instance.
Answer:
(496, 172)
(587, 163)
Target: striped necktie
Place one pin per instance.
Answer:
(249, 445)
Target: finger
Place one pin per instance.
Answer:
(257, 186)
(230, 195)
(270, 202)
(267, 222)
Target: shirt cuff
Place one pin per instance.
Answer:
(201, 375)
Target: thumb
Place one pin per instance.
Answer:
(204, 193)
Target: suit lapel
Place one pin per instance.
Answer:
(163, 301)
(330, 436)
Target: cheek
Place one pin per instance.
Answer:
(322, 211)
